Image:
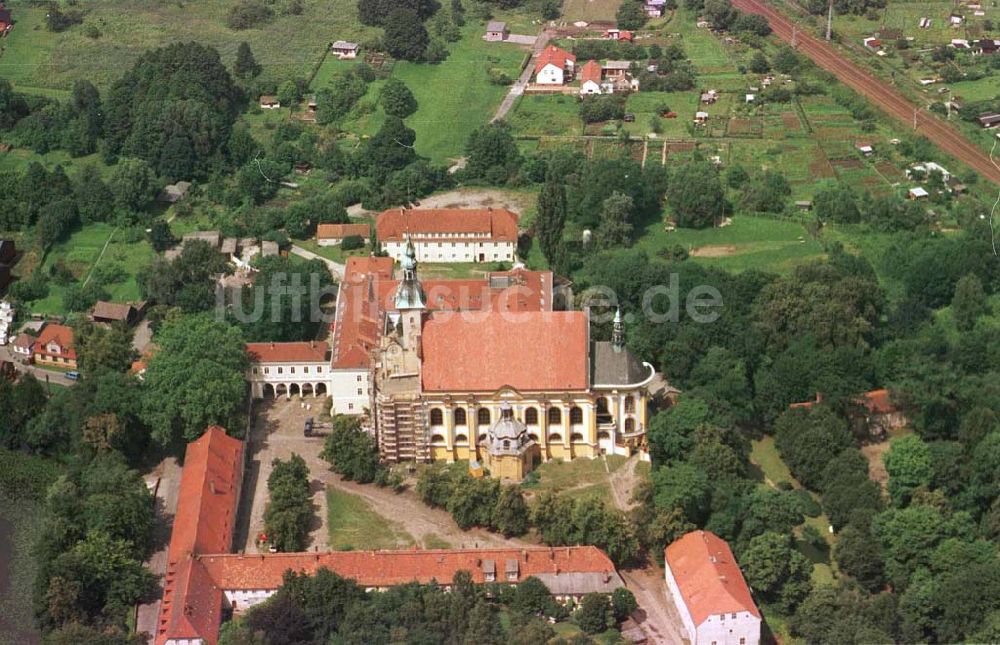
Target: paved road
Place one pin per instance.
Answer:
(169, 475)
(335, 268)
(877, 90)
(517, 89)
(57, 378)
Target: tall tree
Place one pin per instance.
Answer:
(406, 37)
(551, 219)
(397, 99)
(695, 194)
(909, 466)
(969, 302)
(615, 230)
(246, 66)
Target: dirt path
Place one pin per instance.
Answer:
(168, 472)
(517, 89)
(876, 90)
(623, 482)
(479, 198)
(656, 615)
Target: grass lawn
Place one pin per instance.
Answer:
(765, 456)
(334, 253)
(455, 97)
(20, 524)
(580, 478)
(353, 524)
(590, 10)
(287, 47)
(748, 243)
(82, 252)
(19, 158)
(646, 106)
(546, 115)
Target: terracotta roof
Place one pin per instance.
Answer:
(396, 224)
(355, 330)
(303, 352)
(206, 513)
(112, 310)
(23, 341)
(526, 351)
(340, 231)
(878, 401)
(591, 72)
(388, 568)
(61, 335)
(709, 579)
(555, 56)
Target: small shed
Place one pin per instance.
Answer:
(268, 248)
(114, 312)
(269, 102)
(990, 120)
(345, 49)
(804, 205)
(917, 193)
(496, 31)
(865, 149)
(700, 117)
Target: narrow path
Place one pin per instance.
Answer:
(517, 89)
(623, 482)
(98, 260)
(656, 615)
(889, 99)
(167, 489)
(335, 268)
(645, 151)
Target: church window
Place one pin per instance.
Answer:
(575, 414)
(483, 416)
(531, 416)
(630, 403)
(437, 417)
(555, 415)
(460, 417)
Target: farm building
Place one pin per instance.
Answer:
(872, 43)
(114, 312)
(990, 120)
(618, 34)
(268, 102)
(701, 117)
(345, 49)
(865, 149)
(555, 66)
(496, 31)
(917, 193)
(334, 234)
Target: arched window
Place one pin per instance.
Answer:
(630, 403)
(437, 417)
(461, 439)
(506, 444)
(460, 417)
(482, 438)
(531, 417)
(555, 415)
(437, 440)
(630, 425)
(533, 437)
(483, 416)
(575, 415)
(603, 435)
(555, 437)
(602, 405)
(576, 437)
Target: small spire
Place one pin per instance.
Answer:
(618, 332)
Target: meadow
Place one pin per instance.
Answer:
(590, 10)
(287, 47)
(353, 524)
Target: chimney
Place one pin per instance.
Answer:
(272, 344)
(312, 344)
(211, 486)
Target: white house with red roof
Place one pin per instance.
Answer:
(590, 78)
(54, 347)
(554, 66)
(289, 369)
(449, 234)
(709, 591)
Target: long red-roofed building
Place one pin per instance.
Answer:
(449, 234)
(709, 591)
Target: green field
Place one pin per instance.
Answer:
(546, 115)
(84, 251)
(353, 524)
(287, 47)
(20, 524)
(455, 97)
(590, 10)
(580, 478)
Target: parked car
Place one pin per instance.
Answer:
(73, 376)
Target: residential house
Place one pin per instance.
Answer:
(590, 78)
(268, 102)
(873, 412)
(707, 587)
(449, 234)
(334, 234)
(6, 20)
(8, 251)
(496, 31)
(555, 66)
(54, 347)
(23, 347)
(174, 193)
(113, 312)
(345, 49)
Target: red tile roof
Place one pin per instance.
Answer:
(709, 579)
(878, 402)
(527, 351)
(300, 352)
(340, 231)
(498, 223)
(206, 512)
(388, 568)
(59, 334)
(555, 56)
(356, 330)
(591, 72)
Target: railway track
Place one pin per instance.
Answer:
(876, 90)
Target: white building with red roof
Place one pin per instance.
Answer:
(289, 369)
(709, 591)
(554, 66)
(590, 78)
(449, 234)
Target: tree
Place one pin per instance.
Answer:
(684, 487)
(776, 571)
(859, 555)
(594, 614)
(695, 195)
(351, 451)
(246, 14)
(720, 13)
(969, 302)
(160, 236)
(759, 63)
(406, 37)
(289, 508)
(836, 204)
(132, 184)
(397, 99)
(510, 515)
(94, 200)
(630, 15)
(195, 380)
(491, 153)
(103, 348)
(246, 66)
(551, 219)
(532, 597)
(284, 302)
(808, 440)
(376, 12)
(615, 229)
(389, 150)
(623, 604)
(909, 466)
